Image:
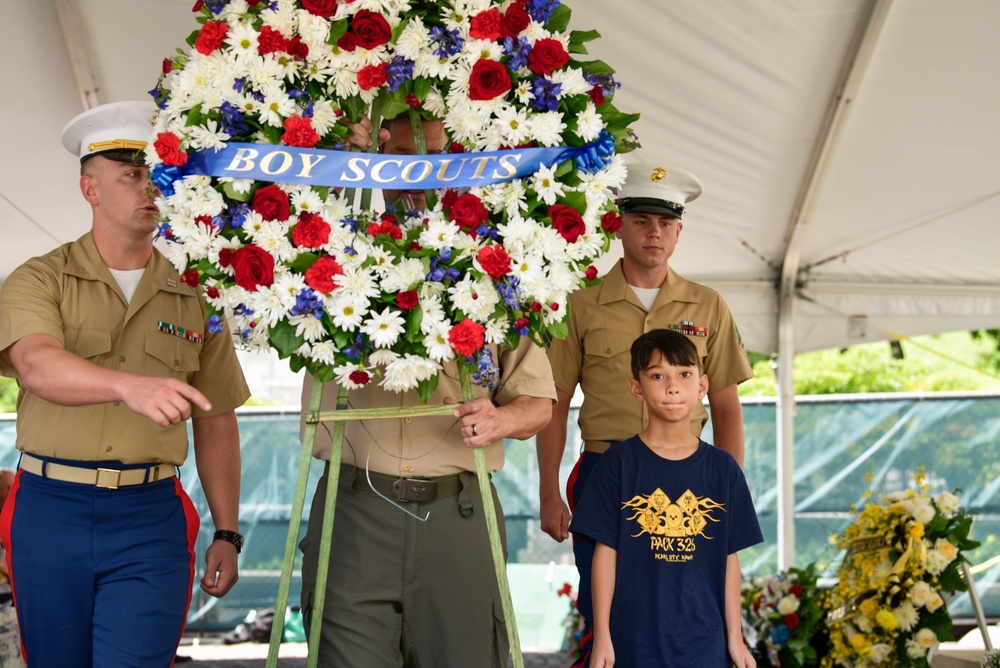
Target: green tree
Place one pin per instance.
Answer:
(8, 395)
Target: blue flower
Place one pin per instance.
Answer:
(233, 122)
(215, 324)
(440, 273)
(307, 302)
(163, 231)
(780, 635)
(399, 71)
(605, 81)
(518, 50)
(355, 352)
(239, 83)
(541, 10)
(215, 6)
(509, 292)
(486, 373)
(545, 93)
(449, 42)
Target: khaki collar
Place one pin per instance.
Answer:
(675, 288)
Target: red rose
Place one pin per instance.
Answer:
(324, 8)
(489, 79)
(567, 222)
(372, 76)
(371, 29)
(494, 260)
(795, 590)
(225, 257)
(167, 66)
(190, 277)
(407, 300)
(348, 42)
(596, 95)
(515, 19)
(210, 37)
(311, 231)
(270, 41)
(359, 377)
(254, 267)
(271, 202)
(167, 147)
(591, 272)
(299, 132)
(466, 337)
(486, 25)
(212, 292)
(791, 620)
(320, 275)
(547, 56)
(611, 221)
(468, 212)
(297, 48)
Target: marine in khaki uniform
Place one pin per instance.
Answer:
(639, 294)
(113, 354)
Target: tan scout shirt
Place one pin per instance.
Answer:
(70, 294)
(604, 321)
(427, 447)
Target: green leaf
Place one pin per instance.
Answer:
(596, 67)
(421, 87)
(324, 373)
(272, 133)
(303, 261)
(398, 30)
(413, 323)
(337, 30)
(559, 20)
(425, 388)
(230, 192)
(354, 107)
(284, 339)
(194, 116)
(577, 38)
(558, 330)
(192, 38)
(394, 103)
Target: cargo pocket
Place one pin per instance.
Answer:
(168, 355)
(501, 644)
(607, 354)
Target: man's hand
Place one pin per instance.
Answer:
(361, 134)
(221, 572)
(165, 401)
(554, 515)
(481, 422)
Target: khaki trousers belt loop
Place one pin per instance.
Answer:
(596, 446)
(106, 478)
(420, 490)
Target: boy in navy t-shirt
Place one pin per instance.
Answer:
(669, 512)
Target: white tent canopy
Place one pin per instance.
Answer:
(850, 149)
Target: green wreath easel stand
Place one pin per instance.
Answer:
(339, 417)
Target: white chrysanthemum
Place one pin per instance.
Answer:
(314, 30)
(207, 136)
(926, 638)
(935, 562)
(496, 331)
(384, 328)
(947, 503)
(914, 650)
(436, 342)
(465, 122)
(282, 18)
(358, 282)
(547, 128)
(433, 310)
(923, 511)
(509, 197)
(413, 41)
(195, 197)
(269, 305)
(309, 327)
(241, 186)
(434, 103)
(513, 124)
(345, 82)
(277, 106)
(572, 82)
(344, 373)
(324, 352)
(383, 357)
(324, 116)
(475, 50)
(272, 236)
(205, 80)
(242, 40)
(406, 274)
(347, 312)
(406, 372)
(439, 234)
(906, 616)
(523, 92)
(529, 270)
(535, 31)
(589, 123)
(476, 299)
(547, 186)
(588, 245)
(176, 255)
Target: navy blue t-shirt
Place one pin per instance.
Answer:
(674, 525)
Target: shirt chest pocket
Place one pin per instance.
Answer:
(607, 361)
(168, 355)
(93, 345)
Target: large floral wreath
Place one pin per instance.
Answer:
(347, 292)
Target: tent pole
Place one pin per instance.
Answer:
(785, 423)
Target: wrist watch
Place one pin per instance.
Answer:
(230, 537)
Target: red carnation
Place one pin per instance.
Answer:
(407, 300)
(489, 79)
(547, 56)
(271, 202)
(596, 95)
(515, 19)
(468, 212)
(270, 41)
(204, 220)
(611, 221)
(591, 273)
(190, 277)
(320, 275)
(486, 25)
(299, 132)
(297, 48)
(567, 222)
(167, 147)
(791, 620)
(210, 37)
(324, 8)
(311, 231)
(385, 227)
(372, 76)
(359, 377)
(466, 337)
(225, 257)
(253, 267)
(449, 198)
(370, 29)
(494, 260)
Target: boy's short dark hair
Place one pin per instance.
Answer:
(676, 348)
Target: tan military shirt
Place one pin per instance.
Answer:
(70, 294)
(427, 447)
(605, 319)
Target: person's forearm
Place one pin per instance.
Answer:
(734, 618)
(524, 416)
(727, 422)
(602, 582)
(551, 444)
(217, 455)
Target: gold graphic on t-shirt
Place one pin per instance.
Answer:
(657, 515)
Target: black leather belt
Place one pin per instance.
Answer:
(419, 490)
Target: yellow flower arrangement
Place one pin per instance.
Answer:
(902, 556)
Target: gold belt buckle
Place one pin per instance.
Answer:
(109, 485)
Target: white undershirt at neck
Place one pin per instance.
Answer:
(646, 295)
(128, 280)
